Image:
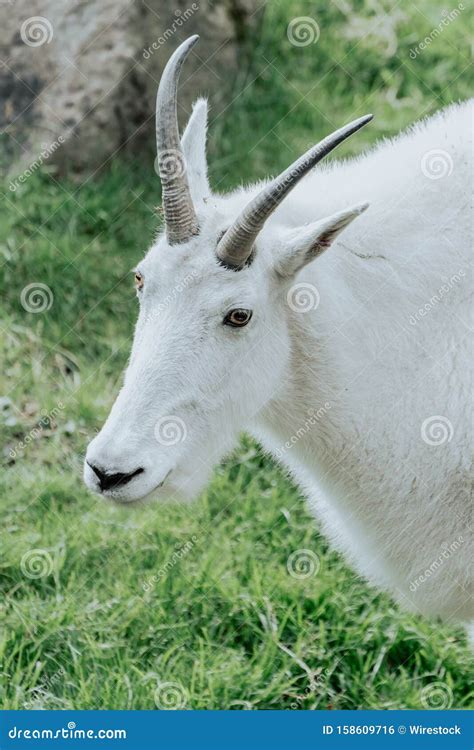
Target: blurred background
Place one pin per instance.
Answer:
(171, 606)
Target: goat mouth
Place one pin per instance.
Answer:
(123, 500)
(162, 482)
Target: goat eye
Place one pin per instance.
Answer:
(238, 317)
(138, 281)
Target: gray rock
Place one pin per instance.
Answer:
(78, 78)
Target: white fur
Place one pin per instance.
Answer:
(339, 394)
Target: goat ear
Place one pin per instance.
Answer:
(194, 148)
(302, 245)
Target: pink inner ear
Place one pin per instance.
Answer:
(324, 241)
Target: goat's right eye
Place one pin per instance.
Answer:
(238, 318)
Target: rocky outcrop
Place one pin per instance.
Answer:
(78, 78)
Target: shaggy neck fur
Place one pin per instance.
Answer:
(368, 370)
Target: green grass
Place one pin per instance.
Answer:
(223, 619)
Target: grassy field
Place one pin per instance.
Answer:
(194, 606)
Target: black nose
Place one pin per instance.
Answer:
(111, 481)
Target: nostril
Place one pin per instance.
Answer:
(111, 481)
(98, 472)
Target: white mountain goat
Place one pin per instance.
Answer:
(350, 366)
